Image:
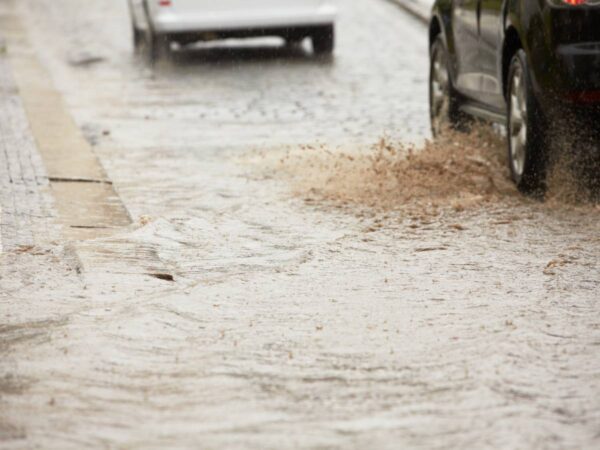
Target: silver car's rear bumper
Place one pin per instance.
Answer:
(172, 22)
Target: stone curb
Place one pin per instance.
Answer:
(26, 213)
(84, 202)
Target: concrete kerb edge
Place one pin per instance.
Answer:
(76, 174)
(416, 9)
(25, 201)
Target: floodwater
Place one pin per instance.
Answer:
(303, 270)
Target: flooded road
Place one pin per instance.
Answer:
(289, 279)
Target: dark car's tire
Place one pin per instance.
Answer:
(527, 158)
(323, 40)
(444, 101)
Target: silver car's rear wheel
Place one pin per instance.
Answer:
(323, 40)
(156, 46)
(138, 39)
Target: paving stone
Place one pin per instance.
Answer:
(25, 203)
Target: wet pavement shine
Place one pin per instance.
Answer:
(262, 300)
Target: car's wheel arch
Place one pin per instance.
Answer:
(440, 25)
(511, 45)
(435, 29)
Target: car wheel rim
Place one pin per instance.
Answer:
(440, 98)
(518, 123)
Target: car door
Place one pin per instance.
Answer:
(465, 25)
(490, 52)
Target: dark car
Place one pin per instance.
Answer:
(524, 63)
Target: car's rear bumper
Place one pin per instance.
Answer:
(169, 22)
(579, 66)
(566, 58)
(295, 33)
(570, 75)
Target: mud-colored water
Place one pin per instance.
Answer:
(455, 172)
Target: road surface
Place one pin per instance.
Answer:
(271, 291)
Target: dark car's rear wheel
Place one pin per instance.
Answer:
(525, 129)
(323, 40)
(444, 101)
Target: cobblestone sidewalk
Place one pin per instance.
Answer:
(26, 213)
